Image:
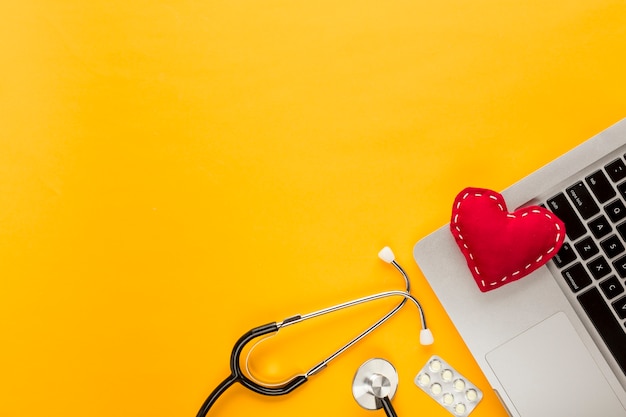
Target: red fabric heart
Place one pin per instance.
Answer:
(502, 247)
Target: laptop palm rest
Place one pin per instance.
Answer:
(549, 355)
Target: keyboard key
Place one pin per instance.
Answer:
(616, 170)
(576, 277)
(601, 187)
(611, 287)
(621, 228)
(622, 189)
(620, 307)
(616, 210)
(620, 266)
(582, 200)
(559, 205)
(600, 227)
(564, 256)
(586, 248)
(599, 267)
(612, 246)
(606, 324)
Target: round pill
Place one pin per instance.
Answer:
(435, 389)
(448, 398)
(435, 365)
(423, 379)
(446, 375)
(459, 385)
(471, 395)
(459, 409)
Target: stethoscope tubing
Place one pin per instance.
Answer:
(352, 303)
(237, 374)
(317, 368)
(389, 410)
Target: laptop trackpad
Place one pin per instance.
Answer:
(547, 371)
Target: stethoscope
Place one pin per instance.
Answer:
(253, 384)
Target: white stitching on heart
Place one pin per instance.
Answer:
(509, 215)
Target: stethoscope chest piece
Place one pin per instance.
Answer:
(375, 384)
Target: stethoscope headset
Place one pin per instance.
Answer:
(250, 382)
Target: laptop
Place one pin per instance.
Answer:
(552, 343)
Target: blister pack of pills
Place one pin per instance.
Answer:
(448, 387)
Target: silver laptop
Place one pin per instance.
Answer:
(553, 343)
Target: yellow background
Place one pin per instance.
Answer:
(173, 173)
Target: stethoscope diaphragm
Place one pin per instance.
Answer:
(375, 384)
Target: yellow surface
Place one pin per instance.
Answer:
(175, 173)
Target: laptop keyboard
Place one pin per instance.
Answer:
(592, 260)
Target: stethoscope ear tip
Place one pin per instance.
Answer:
(426, 337)
(386, 254)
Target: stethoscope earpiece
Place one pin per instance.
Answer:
(426, 337)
